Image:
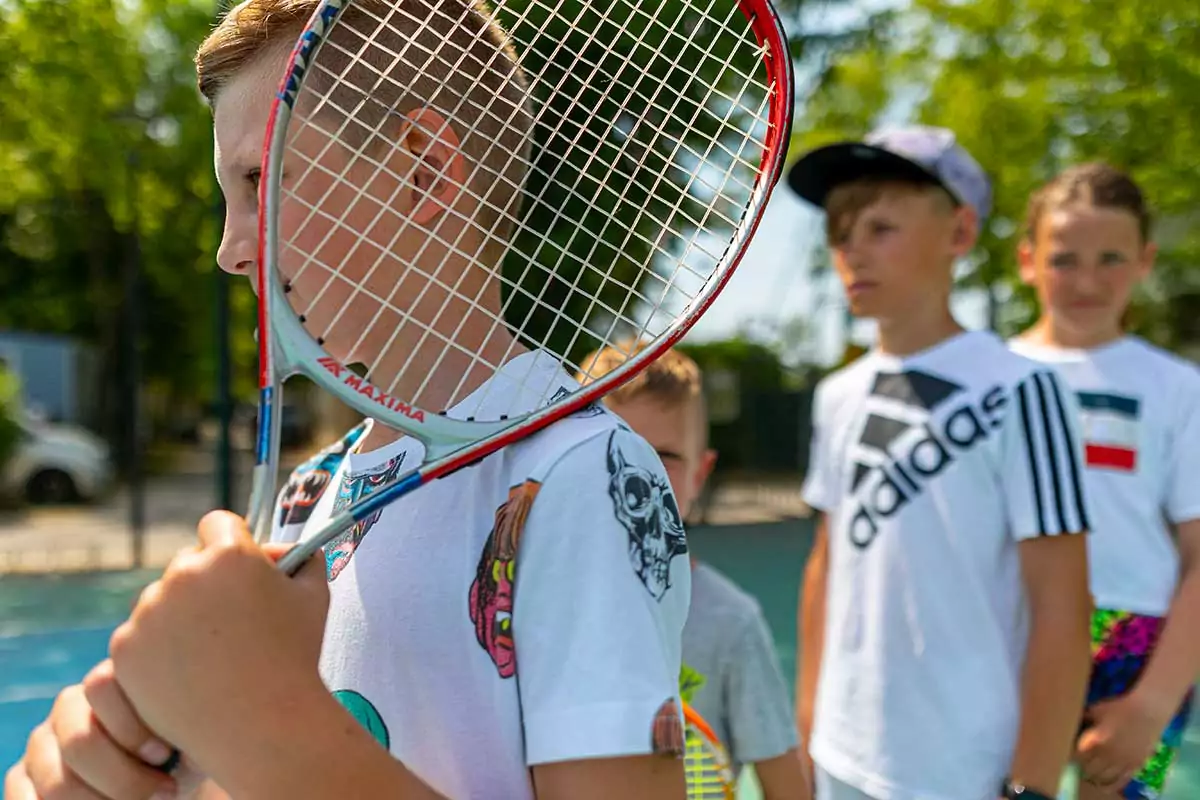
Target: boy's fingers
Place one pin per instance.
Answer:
(17, 785)
(116, 715)
(276, 550)
(89, 754)
(219, 528)
(48, 776)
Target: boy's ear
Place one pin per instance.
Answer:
(1149, 254)
(1026, 269)
(708, 460)
(966, 230)
(440, 169)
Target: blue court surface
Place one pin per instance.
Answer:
(54, 628)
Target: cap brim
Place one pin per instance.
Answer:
(816, 174)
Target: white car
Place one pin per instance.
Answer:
(57, 463)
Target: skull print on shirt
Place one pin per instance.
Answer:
(645, 507)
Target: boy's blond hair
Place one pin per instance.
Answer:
(479, 86)
(673, 379)
(847, 201)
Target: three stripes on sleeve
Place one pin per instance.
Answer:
(1047, 418)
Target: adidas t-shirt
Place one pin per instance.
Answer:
(931, 468)
(525, 610)
(1141, 433)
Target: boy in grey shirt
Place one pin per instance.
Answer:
(731, 675)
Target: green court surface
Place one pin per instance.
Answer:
(767, 561)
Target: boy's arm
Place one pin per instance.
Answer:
(602, 585)
(811, 633)
(220, 658)
(783, 777)
(1173, 668)
(821, 492)
(1041, 472)
(1057, 661)
(761, 721)
(1123, 732)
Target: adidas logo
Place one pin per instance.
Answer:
(904, 445)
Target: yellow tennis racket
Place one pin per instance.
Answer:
(706, 764)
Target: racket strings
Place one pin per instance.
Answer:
(706, 767)
(678, 191)
(629, 288)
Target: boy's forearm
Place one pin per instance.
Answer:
(811, 637)
(322, 752)
(783, 777)
(1173, 667)
(1054, 689)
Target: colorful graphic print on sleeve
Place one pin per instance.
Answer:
(491, 596)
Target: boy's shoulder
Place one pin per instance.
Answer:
(846, 381)
(544, 450)
(1164, 363)
(716, 594)
(976, 360)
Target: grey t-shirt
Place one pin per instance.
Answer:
(729, 651)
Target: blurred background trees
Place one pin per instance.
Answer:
(108, 203)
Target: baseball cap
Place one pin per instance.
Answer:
(918, 153)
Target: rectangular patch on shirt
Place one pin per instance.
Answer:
(1110, 430)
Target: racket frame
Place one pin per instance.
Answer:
(287, 349)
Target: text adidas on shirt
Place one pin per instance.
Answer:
(883, 490)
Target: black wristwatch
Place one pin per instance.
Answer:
(1017, 791)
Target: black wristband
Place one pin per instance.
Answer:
(1017, 791)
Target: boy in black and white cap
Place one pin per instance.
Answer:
(944, 618)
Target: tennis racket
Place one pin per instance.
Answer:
(706, 764)
(454, 195)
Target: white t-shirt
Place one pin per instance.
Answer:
(931, 468)
(1141, 430)
(471, 667)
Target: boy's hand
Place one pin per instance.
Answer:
(222, 651)
(1122, 735)
(92, 746)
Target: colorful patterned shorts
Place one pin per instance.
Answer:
(1121, 646)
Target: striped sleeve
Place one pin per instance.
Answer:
(1043, 464)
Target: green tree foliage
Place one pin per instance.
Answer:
(1032, 86)
(10, 407)
(614, 183)
(103, 139)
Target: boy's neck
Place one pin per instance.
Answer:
(447, 387)
(1047, 333)
(918, 331)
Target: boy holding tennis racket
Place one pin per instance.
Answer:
(731, 673)
(1086, 246)
(944, 616)
(400, 664)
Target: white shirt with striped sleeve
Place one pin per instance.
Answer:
(931, 469)
(1141, 439)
